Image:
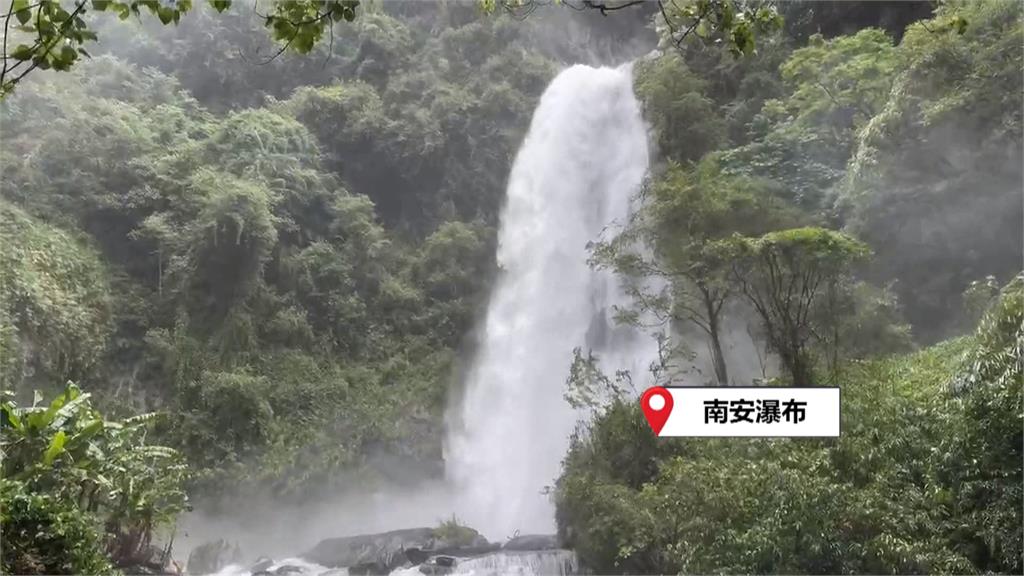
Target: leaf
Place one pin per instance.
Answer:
(165, 14)
(68, 410)
(9, 417)
(23, 15)
(220, 5)
(156, 451)
(141, 418)
(35, 418)
(88, 431)
(67, 57)
(56, 447)
(58, 402)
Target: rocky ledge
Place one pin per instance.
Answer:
(438, 548)
(410, 551)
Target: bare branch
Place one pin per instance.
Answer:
(604, 8)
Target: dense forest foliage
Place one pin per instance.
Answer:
(253, 267)
(280, 259)
(850, 197)
(267, 270)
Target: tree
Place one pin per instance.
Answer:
(803, 139)
(54, 299)
(981, 457)
(258, 295)
(925, 477)
(683, 117)
(785, 275)
(933, 184)
(667, 250)
(842, 83)
(735, 23)
(54, 38)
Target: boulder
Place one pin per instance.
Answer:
(366, 551)
(261, 565)
(418, 556)
(210, 557)
(381, 553)
(533, 542)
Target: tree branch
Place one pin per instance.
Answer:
(604, 8)
(79, 8)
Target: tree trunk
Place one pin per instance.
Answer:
(793, 357)
(801, 371)
(717, 357)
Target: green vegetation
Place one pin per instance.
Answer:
(79, 489)
(49, 37)
(938, 152)
(786, 276)
(731, 23)
(264, 273)
(844, 199)
(925, 478)
(457, 534)
(284, 254)
(55, 292)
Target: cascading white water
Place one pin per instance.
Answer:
(577, 172)
(523, 563)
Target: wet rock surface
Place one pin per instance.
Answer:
(418, 556)
(408, 552)
(382, 553)
(533, 542)
(212, 556)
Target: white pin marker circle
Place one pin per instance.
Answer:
(656, 402)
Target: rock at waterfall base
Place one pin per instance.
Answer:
(212, 556)
(381, 553)
(533, 542)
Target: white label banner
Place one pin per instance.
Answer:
(749, 411)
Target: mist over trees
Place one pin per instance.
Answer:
(279, 261)
(283, 261)
(855, 192)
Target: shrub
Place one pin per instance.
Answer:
(68, 470)
(45, 535)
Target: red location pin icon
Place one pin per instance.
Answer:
(657, 405)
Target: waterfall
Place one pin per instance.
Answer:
(526, 563)
(578, 171)
(576, 174)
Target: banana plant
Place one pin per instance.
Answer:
(68, 450)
